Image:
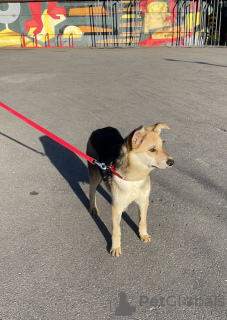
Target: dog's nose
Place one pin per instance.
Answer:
(170, 162)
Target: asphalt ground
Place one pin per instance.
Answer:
(54, 258)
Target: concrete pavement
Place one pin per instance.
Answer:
(54, 261)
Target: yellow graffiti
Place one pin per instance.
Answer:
(94, 29)
(77, 33)
(169, 33)
(157, 20)
(10, 38)
(30, 32)
(130, 16)
(48, 26)
(157, 7)
(192, 20)
(154, 21)
(157, 16)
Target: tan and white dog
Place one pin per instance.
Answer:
(133, 158)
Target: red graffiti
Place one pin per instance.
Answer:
(157, 42)
(53, 10)
(144, 4)
(36, 21)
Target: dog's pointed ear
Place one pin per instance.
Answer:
(158, 127)
(136, 137)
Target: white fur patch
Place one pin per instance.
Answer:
(125, 192)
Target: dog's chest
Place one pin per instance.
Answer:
(132, 190)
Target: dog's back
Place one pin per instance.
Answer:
(107, 143)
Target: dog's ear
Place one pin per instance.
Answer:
(158, 127)
(136, 137)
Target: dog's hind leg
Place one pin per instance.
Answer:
(95, 179)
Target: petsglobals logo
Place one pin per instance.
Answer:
(186, 301)
(124, 306)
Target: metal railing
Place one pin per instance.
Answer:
(35, 44)
(199, 23)
(116, 23)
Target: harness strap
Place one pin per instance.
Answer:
(114, 172)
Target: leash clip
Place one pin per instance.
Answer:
(102, 165)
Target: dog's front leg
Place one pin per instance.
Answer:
(143, 205)
(116, 235)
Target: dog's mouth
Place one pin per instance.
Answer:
(155, 167)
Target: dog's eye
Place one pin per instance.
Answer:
(152, 150)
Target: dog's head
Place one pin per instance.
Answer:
(146, 147)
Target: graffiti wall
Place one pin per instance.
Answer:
(40, 18)
(103, 23)
(159, 22)
(182, 22)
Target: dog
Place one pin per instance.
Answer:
(133, 158)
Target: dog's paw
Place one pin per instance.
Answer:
(94, 211)
(115, 252)
(145, 238)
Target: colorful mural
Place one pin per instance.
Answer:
(105, 23)
(36, 19)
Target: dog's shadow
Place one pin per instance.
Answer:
(74, 171)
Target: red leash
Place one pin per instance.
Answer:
(59, 140)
